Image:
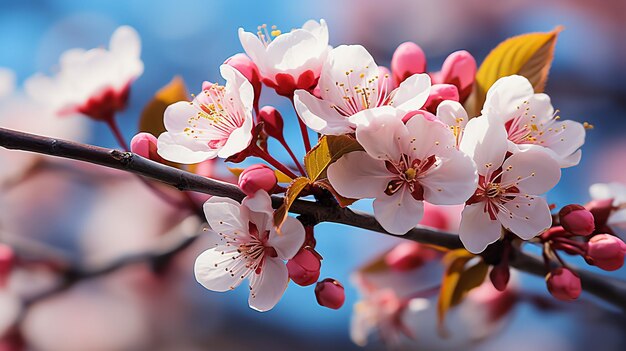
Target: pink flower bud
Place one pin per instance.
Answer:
(500, 276)
(272, 122)
(439, 93)
(601, 210)
(330, 293)
(606, 252)
(459, 69)
(409, 255)
(145, 145)
(407, 60)
(577, 220)
(304, 267)
(257, 177)
(564, 284)
(248, 69)
(7, 260)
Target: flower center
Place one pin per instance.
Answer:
(266, 36)
(408, 172)
(361, 92)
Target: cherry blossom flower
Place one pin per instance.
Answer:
(407, 165)
(617, 192)
(291, 60)
(531, 121)
(247, 246)
(508, 189)
(94, 82)
(218, 122)
(350, 83)
(454, 115)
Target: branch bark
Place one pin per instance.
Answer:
(610, 290)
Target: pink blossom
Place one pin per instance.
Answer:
(217, 123)
(330, 293)
(248, 69)
(257, 177)
(459, 69)
(440, 93)
(411, 163)
(304, 267)
(351, 83)
(606, 251)
(407, 60)
(577, 220)
(508, 189)
(245, 245)
(145, 145)
(564, 284)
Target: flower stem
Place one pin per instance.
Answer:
(293, 156)
(115, 129)
(258, 152)
(303, 130)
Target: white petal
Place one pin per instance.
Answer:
(477, 230)
(505, 99)
(238, 88)
(254, 48)
(428, 136)
(213, 274)
(319, 116)
(527, 217)
(399, 212)
(267, 288)
(260, 210)
(381, 121)
(291, 52)
(452, 182)
(486, 143)
(345, 58)
(532, 172)
(176, 115)
(238, 140)
(600, 191)
(225, 216)
(290, 239)
(187, 152)
(125, 40)
(357, 175)
(452, 113)
(412, 92)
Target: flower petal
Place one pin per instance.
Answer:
(211, 273)
(399, 212)
(319, 115)
(527, 216)
(238, 140)
(452, 113)
(290, 239)
(452, 182)
(381, 121)
(225, 216)
(428, 136)
(507, 97)
(412, 92)
(532, 172)
(254, 48)
(260, 210)
(357, 175)
(125, 41)
(486, 143)
(344, 67)
(177, 148)
(238, 88)
(477, 230)
(267, 288)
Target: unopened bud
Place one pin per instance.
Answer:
(606, 252)
(145, 145)
(459, 69)
(577, 220)
(500, 276)
(407, 60)
(257, 177)
(7, 260)
(272, 122)
(439, 93)
(409, 255)
(564, 284)
(601, 210)
(304, 267)
(248, 69)
(330, 293)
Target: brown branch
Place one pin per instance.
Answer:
(610, 290)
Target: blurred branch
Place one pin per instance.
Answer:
(608, 289)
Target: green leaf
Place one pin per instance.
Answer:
(457, 281)
(328, 150)
(293, 191)
(529, 55)
(151, 120)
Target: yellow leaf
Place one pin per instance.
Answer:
(294, 189)
(529, 55)
(328, 150)
(457, 281)
(151, 120)
(280, 176)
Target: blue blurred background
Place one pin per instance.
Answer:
(192, 38)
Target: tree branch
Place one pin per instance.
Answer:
(608, 289)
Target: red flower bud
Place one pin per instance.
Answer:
(459, 69)
(330, 293)
(7, 260)
(606, 252)
(304, 267)
(439, 93)
(564, 284)
(601, 210)
(248, 69)
(272, 122)
(577, 220)
(407, 60)
(257, 177)
(500, 276)
(409, 255)
(145, 145)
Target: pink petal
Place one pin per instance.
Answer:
(381, 121)
(452, 182)
(486, 143)
(267, 288)
(357, 175)
(527, 217)
(225, 216)
(212, 274)
(477, 230)
(290, 239)
(412, 93)
(399, 212)
(532, 172)
(319, 116)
